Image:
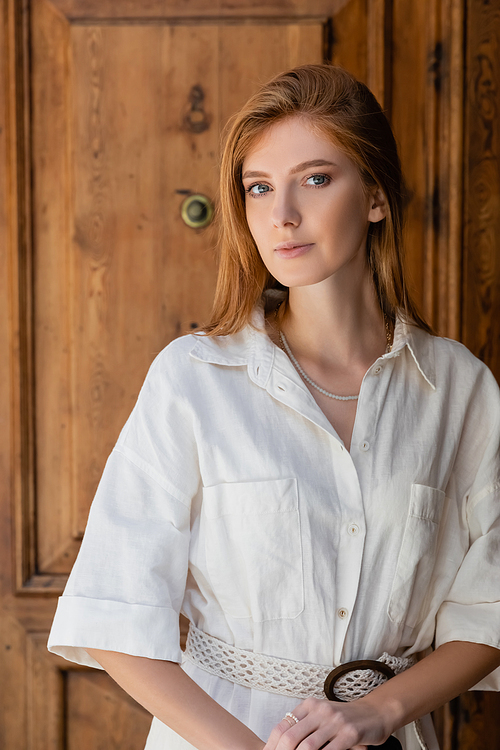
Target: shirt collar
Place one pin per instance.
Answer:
(420, 345)
(253, 348)
(250, 347)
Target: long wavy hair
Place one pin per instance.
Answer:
(344, 110)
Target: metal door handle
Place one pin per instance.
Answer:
(197, 211)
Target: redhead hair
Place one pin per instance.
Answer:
(344, 110)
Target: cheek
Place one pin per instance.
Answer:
(349, 213)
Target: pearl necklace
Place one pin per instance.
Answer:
(315, 385)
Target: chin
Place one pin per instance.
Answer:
(303, 279)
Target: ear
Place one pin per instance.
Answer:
(378, 206)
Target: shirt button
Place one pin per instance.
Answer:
(353, 529)
(377, 370)
(364, 446)
(342, 613)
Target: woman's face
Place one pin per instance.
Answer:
(306, 207)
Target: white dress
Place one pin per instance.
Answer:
(230, 497)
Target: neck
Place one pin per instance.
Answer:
(335, 324)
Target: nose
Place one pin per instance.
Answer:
(285, 211)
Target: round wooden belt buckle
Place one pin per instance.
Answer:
(352, 666)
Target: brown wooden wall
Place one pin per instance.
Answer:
(480, 329)
(473, 720)
(102, 134)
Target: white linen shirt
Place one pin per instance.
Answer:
(230, 497)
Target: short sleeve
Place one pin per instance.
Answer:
(126, 588)
(471, 611)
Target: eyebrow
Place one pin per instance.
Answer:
(298, 168)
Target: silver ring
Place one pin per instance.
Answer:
(291, 716)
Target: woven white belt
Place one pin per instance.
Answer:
(294, 679)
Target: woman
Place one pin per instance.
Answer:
(312, 481)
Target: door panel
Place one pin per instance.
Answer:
(117, 273)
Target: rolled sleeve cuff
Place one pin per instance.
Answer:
(135, 629)
(477, 623)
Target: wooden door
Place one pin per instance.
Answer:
(110, 115)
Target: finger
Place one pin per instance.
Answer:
(318, 740)
(330, 738)
(294, 717)
(276, 734)
(285, 725)
(306, 718)
(293, 736)
(307, 705)
(342, 738)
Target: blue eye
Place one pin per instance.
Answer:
(258, 189)
(318, 180)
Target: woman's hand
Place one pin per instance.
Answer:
(334, 726)
(448, 671)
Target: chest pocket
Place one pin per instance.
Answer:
(253, 548)
(417, 555)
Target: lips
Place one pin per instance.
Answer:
(292, 249)
(291, 245)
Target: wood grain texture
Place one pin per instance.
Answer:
(121, 218)
(471, 722)
(73, 707)
(116, 11)
(51, 195)
(18, 246)
(7, 347)
(427, 104)
(349, 32)
(481, 292)
(379, 51)
(448, 275)
(297, 44)
(101, 715)
(410, 114)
